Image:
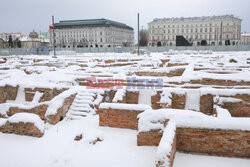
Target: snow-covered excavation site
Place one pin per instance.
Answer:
(171, 109)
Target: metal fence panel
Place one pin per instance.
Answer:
(45, 51)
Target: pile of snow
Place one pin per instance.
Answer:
(222, 100)
(37, 97)
(57, 101)
(223, 113)
(27, 118)
(165, 145)
(166, 98)
(119, 95)
(145, 96)
(98, 99)
(192, 100)
(2, 121)
(123, 106)
(38, 69)
(154, 119)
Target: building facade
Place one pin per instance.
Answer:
(3, 44)
(212, 30)
(245, 38)
(92, 33)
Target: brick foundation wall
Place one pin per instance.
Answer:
(207, 104)
(170, 157)
(109, 96)
(150, 138)
(178, 101)
(210, 81)
(244, 97)
(214, 142)
(118, 118)
(48, 94)
(155, 100)
(132, 97)
(173, 73)
(39, 110)
(237, 109)
(21, 128)
(164, 61)
(8, 92)
(229, 143)
(61, 112)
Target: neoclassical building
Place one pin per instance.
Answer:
(92, 33)
(211, 30)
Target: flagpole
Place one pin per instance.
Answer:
(54, 40)
(138, 22)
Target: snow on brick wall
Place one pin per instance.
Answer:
(230, 143)
(120, 115)
(8, 92)
(24, 124)
(167, 146)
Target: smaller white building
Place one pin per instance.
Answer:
(245, 39)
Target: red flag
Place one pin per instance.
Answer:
(51, 27)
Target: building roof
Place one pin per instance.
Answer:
(90, 23)
(204, 18)
(247, 34)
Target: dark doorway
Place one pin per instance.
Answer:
(203, 43)
(158, 44)
(181, 41)
(227, 42)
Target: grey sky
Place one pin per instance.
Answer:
(26, 15)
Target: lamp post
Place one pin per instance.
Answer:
(138, 21)
(54, 40)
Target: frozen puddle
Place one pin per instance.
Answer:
(190, 160)
(57, 147)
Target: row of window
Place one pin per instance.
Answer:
(227, 36)
(60, 40)
(193, 25)
(196, 30)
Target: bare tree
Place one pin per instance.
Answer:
(143, 37)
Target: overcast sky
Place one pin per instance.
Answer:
(26, 15)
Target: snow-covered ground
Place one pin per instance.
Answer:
(190, 160)
(57, 147)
